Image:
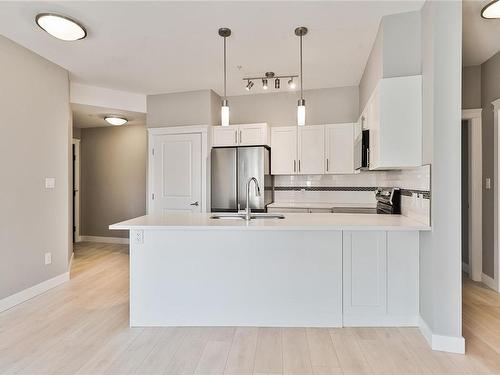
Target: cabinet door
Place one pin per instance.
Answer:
(311, 150)
(339, 149)
(253, 135)
(224, 136)
(365, 273)
(284, 150)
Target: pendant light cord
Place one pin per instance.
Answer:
(301, 93)
(225, 96)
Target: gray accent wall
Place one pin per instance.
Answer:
(34, 144)
(440, 249)
(490, 91)
(396, 52)
(183, 108)
(471, 87)
(113, 177)
(323, 106)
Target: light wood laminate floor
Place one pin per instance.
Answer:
(81, 327)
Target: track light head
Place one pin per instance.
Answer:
(249, 85)
(291, 83)
(277, 83)
(264, 84)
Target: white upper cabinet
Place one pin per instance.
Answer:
(225, 136)
(284, 150)
(394, 117)
(339, 148)
(253, 134)
(311, 149)
(241, 135)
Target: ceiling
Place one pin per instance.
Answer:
(480, 36)
(87, 116)
(160, 47)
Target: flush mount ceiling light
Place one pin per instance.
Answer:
(115, 120)
(270, 76)
(224, 110)
(61, 27)
(491, 10)
(301, 107)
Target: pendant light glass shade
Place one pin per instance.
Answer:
(224, 113)
(301, 112)
(491, 10)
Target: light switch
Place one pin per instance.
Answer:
(488, 183)
(50, 182)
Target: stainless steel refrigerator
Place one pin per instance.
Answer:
(232, 167)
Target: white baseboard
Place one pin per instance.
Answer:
(441, 343)
(117, 240)
(26, 294)
(489, 282)
(465, 267)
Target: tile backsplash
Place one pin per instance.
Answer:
(358, 189)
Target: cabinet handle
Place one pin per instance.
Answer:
(240, 136)
(327, 164)
(294, 166)
(299, 165)
(235, 137)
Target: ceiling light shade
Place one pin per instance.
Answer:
(115, 120)
(491, 10)
(264, 84)
(291, 83)
(224, 32)
(61, 27)
(277, 83)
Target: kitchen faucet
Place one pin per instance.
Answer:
(257, 194)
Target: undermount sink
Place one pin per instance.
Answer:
(253, 216)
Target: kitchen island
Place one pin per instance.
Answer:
(307, 270)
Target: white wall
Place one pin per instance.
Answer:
(34, 144)
(440, 249)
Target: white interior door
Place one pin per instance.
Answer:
(176, 173)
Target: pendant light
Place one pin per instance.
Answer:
(301, 107)
(224, 110)
(491, 10)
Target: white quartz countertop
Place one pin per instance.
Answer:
(292, 221)
(318, 205)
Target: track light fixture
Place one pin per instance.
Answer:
(249, 85)
(271, 76)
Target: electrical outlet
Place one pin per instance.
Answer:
(48, 258)
(138, 236)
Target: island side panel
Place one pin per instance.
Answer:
(236, 278)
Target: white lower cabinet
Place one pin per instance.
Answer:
(380, 278)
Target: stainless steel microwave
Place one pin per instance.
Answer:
(362, 150)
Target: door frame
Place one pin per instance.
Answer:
(203, 130)
(495, 282)
(475, 267)
(76, 195)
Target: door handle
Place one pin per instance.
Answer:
(195, 204)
